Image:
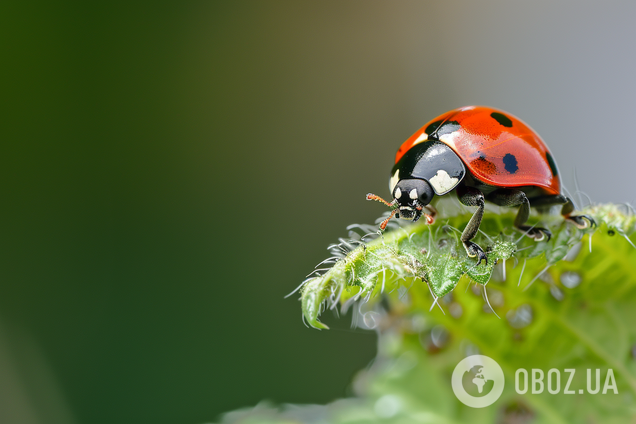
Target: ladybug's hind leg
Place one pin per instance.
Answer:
(471, 196)
(512, 198)
(581, 221)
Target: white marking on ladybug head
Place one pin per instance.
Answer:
(398, 193)
(442, 182)
(422, 137)
(413, 194)
(394, 180)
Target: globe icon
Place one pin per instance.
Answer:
(476, 382)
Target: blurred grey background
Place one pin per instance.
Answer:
(170, 170)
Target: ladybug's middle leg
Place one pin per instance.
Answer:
(512, 198)
(581, 221)
(471, 196)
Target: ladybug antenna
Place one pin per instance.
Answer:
(392, 205)
(372, 196)
(386, 221)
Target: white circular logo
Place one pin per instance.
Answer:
(478, 381)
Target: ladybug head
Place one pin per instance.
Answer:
(411, 195)
(410, 198)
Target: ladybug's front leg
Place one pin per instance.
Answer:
(471, 196)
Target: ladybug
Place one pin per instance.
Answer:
(482, 154)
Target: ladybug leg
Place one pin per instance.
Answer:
(581, 221)
(512, 198)
(471, 196)
(432, 213)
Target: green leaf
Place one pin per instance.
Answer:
(567, 303)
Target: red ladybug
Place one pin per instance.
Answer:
(482, 154)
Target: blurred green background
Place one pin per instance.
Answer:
(170, 170)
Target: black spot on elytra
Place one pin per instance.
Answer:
(553, 166)
(510, 163)
(483, 165)
(502, 119)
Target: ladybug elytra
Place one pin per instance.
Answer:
(482, 154)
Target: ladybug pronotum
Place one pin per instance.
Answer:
(482, 154)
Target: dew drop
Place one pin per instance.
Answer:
(520, 317)
(556, 292)
(468, 348)
(387, 406)
(570, 279)
(495, 297)
(573, 252)
(455, 310)
(418, 323)
(439, 336)
(371, 319)
(435, 340)
(546, 277)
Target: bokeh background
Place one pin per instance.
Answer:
(170, 170)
